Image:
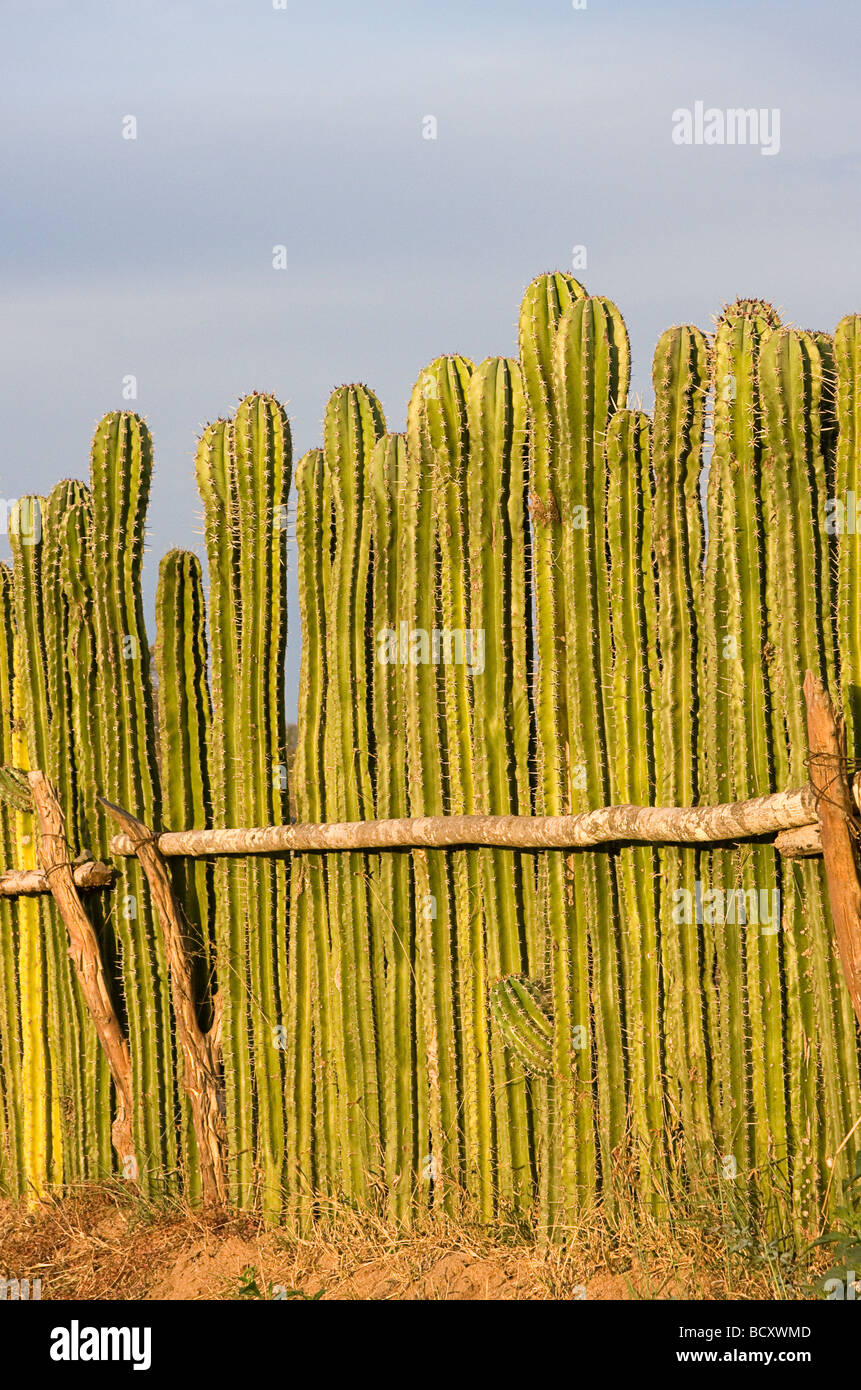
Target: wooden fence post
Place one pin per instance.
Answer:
(85, 956)
(826, 737)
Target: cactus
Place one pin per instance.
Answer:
(394, 904)
(680, 377)
(543, 305)
(751, 1060)
(431, 399)
(591, 361)
(353, 424)
(843, 514)
(184, 729)
(243, 472)
(799, 629)
(318, 1069)
(518, 1009)
(121, 471)
(502, 740)
(632, 772)
(12, 1161)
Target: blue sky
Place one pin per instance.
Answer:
(303, 127)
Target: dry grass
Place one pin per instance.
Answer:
(104, 1242)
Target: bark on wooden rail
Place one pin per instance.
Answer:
(693, 825)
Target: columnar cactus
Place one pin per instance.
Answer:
(243, 472)
(502, 740)
(632, 771)
(401, 1013)
(800, 631)
(12, 1161)
(121, 471)
(591, 365)
(317, 1067)
(843, 519)
(680, 377)
(184, 729)
(738, 672)
(437, 397)
(543, 305)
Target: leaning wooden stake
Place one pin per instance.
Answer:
(827, 742)
(199, 1072)
(86, 958)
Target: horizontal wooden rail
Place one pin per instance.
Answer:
(763, 815)
(29, 883)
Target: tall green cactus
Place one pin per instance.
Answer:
(592, 364)
(434, 878)
(543, 305)
(795, 485)
(502, 738)
(632, 771)
(12, 1173)
(392, 894)
(843, 518)
(752, 1061)
(680, 377)
(353, 424)
(317, 1065)
(120, 476)
(184, 722)
(243, 472)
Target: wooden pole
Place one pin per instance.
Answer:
(86, 957)
(763, 815)
(199, 1071)
(826, 736)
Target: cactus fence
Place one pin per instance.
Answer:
(519, 608)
